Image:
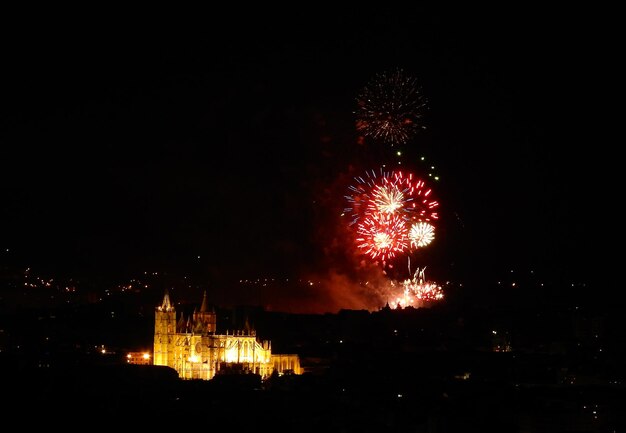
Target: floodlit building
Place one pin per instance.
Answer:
(193, 348)
(138, 358)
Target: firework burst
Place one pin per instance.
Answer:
(390, 108)
(360, 196)
(382, 236)
(391, 193)
(421, 206)
(392, 212)
(421, 234)
(417, 292)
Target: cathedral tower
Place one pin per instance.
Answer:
(164, 332)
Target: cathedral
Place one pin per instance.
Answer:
(193, 348)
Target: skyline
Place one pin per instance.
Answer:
(230, 158)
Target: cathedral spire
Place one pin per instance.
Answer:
(181, 323)
(204, 307)
(166, 305)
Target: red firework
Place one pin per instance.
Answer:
(360, 195)
(393, 193)
(385, 207)
(419, 203)
(381, 236)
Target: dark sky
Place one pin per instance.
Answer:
(130, 147)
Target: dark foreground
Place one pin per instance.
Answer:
(341, 400)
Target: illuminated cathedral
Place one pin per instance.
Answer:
(193, 348)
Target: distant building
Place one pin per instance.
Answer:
(139, 358)
(192, 347)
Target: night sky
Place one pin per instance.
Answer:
(227, 154)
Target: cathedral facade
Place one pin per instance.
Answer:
(193, 348)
